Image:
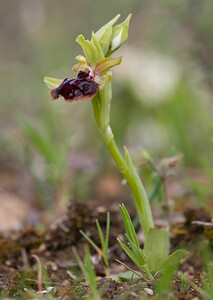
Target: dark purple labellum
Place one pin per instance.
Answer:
(80, 88)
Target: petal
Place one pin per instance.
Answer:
(52, 83)
(105, 64)
(102, 81)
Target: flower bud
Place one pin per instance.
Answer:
(104, 34)
(119, 35)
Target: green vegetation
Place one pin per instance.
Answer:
(95, 68)
(159, 104)
(104, 242)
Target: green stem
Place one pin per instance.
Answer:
(149, 275)
(101, 105)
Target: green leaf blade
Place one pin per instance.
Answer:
(128, 225)
(156, 248)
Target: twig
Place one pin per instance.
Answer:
(24, 257)
(201, 223)
(39, 281)
(139, 275)
(45, 282)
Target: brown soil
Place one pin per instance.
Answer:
(53, 247)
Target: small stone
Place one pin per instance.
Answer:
(149, 291)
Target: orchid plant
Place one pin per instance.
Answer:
(93, 81)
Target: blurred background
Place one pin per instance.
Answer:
(51, 152)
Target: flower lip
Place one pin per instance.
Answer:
(80, 88)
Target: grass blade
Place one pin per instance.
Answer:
(100, 233)
(128, 252)
(91, 242)
(106, 243)
(128, 225)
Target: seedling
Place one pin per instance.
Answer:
(154, 258)
(136, 254)
(89, 273)
(184, 281)
(103, 253)
(93, 81)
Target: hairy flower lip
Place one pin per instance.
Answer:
(80, 88)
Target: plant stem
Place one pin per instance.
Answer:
(148, 273)
(101, 107)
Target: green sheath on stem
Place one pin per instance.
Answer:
(101, 106)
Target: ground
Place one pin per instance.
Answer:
(24, 250)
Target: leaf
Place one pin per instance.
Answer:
(126, 276)
(128, 252)
(128, 225)
(106, 242)
(90, 241)
(174, 259)
(91, 276)
(156, 248)
(100, 233)
(139, 255)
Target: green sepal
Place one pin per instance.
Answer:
(104, 34)
(90, 50)
(97, 45)
(105, 64)
(119, 35)
(52, 83)
(156, 248)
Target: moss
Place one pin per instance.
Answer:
(24, 280)
(9, 249)
(209, 232)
